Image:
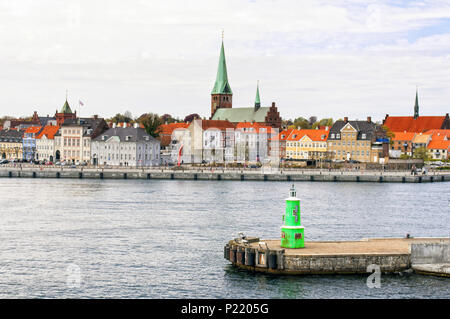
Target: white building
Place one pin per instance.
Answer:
(45, 143)
(125, 146)
(73, 140)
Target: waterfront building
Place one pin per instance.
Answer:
(252, 141)
(11, 144)
(29, 142)
(125, 146)
(73, 140)
(416, 123)
(166, 130)
(420, 140)
(362, 141)
(308, 144)
(206, 141)
(277, 145)
(45, 143)
(65, 114)
(222, 102)
(439, 149)
(401, 143)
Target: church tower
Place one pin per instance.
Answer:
(221, 95)
(416, 105)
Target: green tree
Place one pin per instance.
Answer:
(127, 117)
(421, 153)
(151, 122)
(302, 123)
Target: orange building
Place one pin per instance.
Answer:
(402, 141)
(439, 149)
(307, 144)
(165, 132)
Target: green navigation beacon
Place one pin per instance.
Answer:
(292, 232)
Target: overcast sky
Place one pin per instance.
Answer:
(331, 58)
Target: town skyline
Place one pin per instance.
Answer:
(325, 59)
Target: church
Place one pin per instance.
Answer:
(222, 102)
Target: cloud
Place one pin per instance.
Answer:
(326, 58)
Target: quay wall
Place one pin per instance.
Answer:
(430, 253)
(294, 176)
(349, 264)
(391, 255)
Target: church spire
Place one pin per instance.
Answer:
(221, 86)
(416, 106)
(66, 108)
(257, 99)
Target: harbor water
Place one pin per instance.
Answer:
(69, 238)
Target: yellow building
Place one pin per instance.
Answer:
(359, 141)
(307, 144)
(11, 146)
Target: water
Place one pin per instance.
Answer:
(164, 239)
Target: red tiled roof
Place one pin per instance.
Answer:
(218, 124)
(314, 135)
(33, 129)
(169, 128)
(403, 136)
(410, 124)
(283, 135)
(49, 131)
(439, 134)
(439, 144)
(255, 125)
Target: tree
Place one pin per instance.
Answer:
(167, 118)
(189, 118)
(421, 153)
(302, 123)
(388, 133)
(151, 122)
(120, 118)
(312, 120)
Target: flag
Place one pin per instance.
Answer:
(179, 154)
(81, 103)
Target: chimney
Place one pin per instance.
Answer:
(346, 119)
(369, 119)
(273, 104)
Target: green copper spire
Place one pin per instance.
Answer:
(257, 99)
(222, 86)
(416, 106)
(66, 108)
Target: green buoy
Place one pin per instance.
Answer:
(292, 232)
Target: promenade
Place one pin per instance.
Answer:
(192, 173)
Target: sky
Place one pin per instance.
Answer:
(331, 58)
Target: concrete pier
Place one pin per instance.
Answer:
(431, 258)
(340, 257)
(222, 174)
